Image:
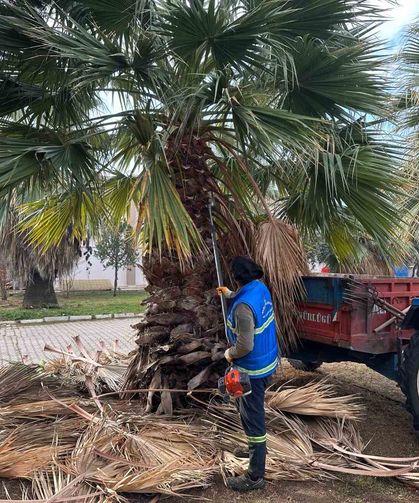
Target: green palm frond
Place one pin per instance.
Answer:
(408, 60)
(325, 19)
(268, 127)
(85, 56)
(162, 216)
(46, 158)
(162, 219)
(350, 184)
(45, 222)
(199, 32)
(334, 81)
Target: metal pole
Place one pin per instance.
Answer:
(217, 262)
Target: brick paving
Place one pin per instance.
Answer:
(17, 341)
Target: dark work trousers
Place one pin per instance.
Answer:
(252, 414)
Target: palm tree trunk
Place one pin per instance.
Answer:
(39, 292)
(180, 342)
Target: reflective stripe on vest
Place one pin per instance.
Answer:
(258, 330)
(266, 369)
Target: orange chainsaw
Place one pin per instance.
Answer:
(235, 384)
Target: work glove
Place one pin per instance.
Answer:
(227, 356)
(223, 290)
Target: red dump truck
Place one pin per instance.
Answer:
(364, 319)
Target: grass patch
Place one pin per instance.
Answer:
(77, 303)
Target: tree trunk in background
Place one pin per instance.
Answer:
(115, 281)
(3, 280)
(181, 341)
(39, 292)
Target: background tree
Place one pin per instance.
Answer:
(245, 101)
(37, 270)
(3, 280)
(116, 248)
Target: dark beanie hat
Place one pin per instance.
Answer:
(245, 270)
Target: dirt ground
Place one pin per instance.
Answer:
(386, 428)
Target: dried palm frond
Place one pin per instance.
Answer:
(290, 449)
(301, 449)
(119, 449)
(34, 445)
(41, 391)
(58, 485)
(104, 369)
(278, 249)
(328, 433)
(21, 463)
(314, 399)
(15, 378)
(45, 409)
(25, 257)
(145, 456)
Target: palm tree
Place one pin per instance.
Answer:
(35, 269)
(262, 105)
(407, 111)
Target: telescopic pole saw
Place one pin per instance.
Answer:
(217, 260)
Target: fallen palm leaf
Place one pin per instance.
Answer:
(144, 456)
(35, 445)
(120, 449)
(103, 370)
(58, 486)
(314, 399)
(15, 378)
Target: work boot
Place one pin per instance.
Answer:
(244, 483)
(241, 452)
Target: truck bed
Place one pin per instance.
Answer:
(328, 317)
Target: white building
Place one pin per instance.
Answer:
(95, 276)
(91, 275)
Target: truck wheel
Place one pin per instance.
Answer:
(409, 378)
(306, 366)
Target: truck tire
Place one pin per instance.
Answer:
(306, 366)
(409, 378)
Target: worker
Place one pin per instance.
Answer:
(253, 349)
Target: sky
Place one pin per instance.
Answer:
(399, 16)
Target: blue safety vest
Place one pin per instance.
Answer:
(263, 360)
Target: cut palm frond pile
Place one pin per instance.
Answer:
(95, 371)
(73, 450)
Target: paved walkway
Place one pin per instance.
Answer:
(17, 341)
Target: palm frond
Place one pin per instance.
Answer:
(332, 81)
(314, 399)
(26, 257)
(355, 182)
(162, 216)
(44, 224)
(26, 160)
(279, 251)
